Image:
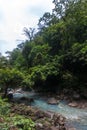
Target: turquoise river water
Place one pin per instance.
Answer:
(77, 118)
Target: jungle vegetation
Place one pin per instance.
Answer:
(53, 57)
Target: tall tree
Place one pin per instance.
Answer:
(61, 6)
(29, 33)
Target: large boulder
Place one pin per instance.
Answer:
(73, 104)
(52, 101)
(19, 90)
(39, 126)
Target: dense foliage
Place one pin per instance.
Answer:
(10, 121)
(56, 56)
(10, 78)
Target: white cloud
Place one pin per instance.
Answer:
(17, 14)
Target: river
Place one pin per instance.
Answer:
(76, 118)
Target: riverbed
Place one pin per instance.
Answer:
(76, 118)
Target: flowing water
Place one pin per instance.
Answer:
(75, 117)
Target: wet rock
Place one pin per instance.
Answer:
(39, 114)
(19, 90)
(47, 124)
(52, 101)
(59, 121)
(38, 126)
(48, 114)
(73, 104)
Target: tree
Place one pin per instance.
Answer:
(10, 78)
(29, 33)
(54, 37)
(61, 6)
(26, 52)
(60, 41)
(3, 61)
(39, 54)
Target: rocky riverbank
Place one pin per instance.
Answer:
(73, 98)
(43, 120)
(47, 120)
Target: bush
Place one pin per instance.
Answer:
(4, 107)
(23, 123)
(8, 120)
(10, 78)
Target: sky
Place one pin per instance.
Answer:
(17, 14)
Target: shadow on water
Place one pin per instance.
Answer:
(75, 117)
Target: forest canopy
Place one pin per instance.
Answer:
(55, 57)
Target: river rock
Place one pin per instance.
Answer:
(48, 114)
(39, 114)
(58, 120)
(38, 126)
(19, 90)
(52, 101)
(73, 104)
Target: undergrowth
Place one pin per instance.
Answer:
(11, 121)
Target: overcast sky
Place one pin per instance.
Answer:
(17, 14)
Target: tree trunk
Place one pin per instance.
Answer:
(5, 92)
